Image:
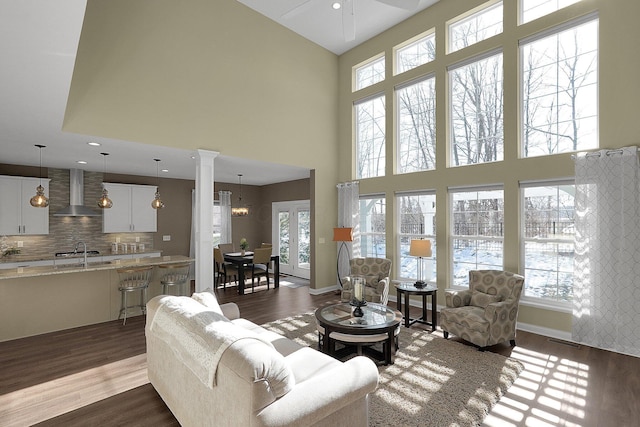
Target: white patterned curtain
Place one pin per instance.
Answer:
(607, 260)
(225, 216)
(349, 216)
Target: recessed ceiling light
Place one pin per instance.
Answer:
(336, 5)
(82, 162)
(164, 170)
(94, 144)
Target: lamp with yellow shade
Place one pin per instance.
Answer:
(420, 249)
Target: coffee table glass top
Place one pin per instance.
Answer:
(409, 286)
(375, 315)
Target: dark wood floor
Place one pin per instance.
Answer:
(96, 375)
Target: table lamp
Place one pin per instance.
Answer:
(420, 249)
(342, 234)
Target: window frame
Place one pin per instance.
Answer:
(368, 64)
(523, 240)
(363, 235)
(381, 169)
(397, 128)
(431, 263)
(450, 116)
(412, 42)
(522, 102)
(472, 14)
(521, 10)
(452, 191)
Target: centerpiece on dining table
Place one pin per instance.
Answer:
(243, 246)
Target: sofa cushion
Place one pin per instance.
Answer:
(208, 299)
(480, 299)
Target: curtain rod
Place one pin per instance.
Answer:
(599, 153)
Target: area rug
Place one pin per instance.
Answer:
(433, 382)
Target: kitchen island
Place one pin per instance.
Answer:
(42, 299)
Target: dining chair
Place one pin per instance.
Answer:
(260, 266)
(266, 245)
(226, 248)
(224, 270)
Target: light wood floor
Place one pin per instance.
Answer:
(96, 375)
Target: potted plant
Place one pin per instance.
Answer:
(244, 245)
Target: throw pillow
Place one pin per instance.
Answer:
(209, 300)
(480, 299)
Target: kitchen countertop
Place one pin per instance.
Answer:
(17, 273)
(30, 258)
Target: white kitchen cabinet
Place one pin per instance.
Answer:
(17, 216)
(131, 211)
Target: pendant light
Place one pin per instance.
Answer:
(240, 210)
(157, 203)
(105, 202)
(40, 200)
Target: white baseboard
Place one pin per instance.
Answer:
(325, 290)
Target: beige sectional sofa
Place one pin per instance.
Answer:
(213, 368)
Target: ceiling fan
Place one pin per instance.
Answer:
(348, 17)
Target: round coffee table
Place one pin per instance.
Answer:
(378, 323)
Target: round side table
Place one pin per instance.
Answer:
(407, 289)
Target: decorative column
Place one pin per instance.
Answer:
(203, 219)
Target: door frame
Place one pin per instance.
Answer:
(292, 207)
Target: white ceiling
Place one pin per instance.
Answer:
(38, 43)
(317, 21)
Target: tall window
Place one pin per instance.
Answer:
(217, 223)
(476, 27)
(534, 9)
(416, 53)
(416, 126)
(560, 91)
(369, 73)
(417, 213)
(477, 231)
(477, 131)
(548, 240)
(372, 227)
(370, 137)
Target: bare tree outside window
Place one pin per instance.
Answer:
(370, 138)
(372, 227)
(416, 53)
(475, 28)
(560, 92)
(417, 126)
(477, 131)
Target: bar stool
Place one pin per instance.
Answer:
(173, 275)
(133, 280)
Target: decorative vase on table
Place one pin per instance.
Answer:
(243, 246)
(358, 300)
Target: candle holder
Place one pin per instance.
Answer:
(358, 300)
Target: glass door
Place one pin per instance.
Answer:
(292, 237)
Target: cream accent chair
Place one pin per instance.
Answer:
(376, 273)
(486, 313)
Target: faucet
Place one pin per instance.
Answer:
(75, 250)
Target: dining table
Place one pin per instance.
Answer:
(243, 261)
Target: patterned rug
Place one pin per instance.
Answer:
(433, 382)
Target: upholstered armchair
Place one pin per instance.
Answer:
(376, 274)
(486, 313)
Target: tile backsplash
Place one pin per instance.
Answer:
(64, 232)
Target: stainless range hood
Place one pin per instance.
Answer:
(76, 197)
